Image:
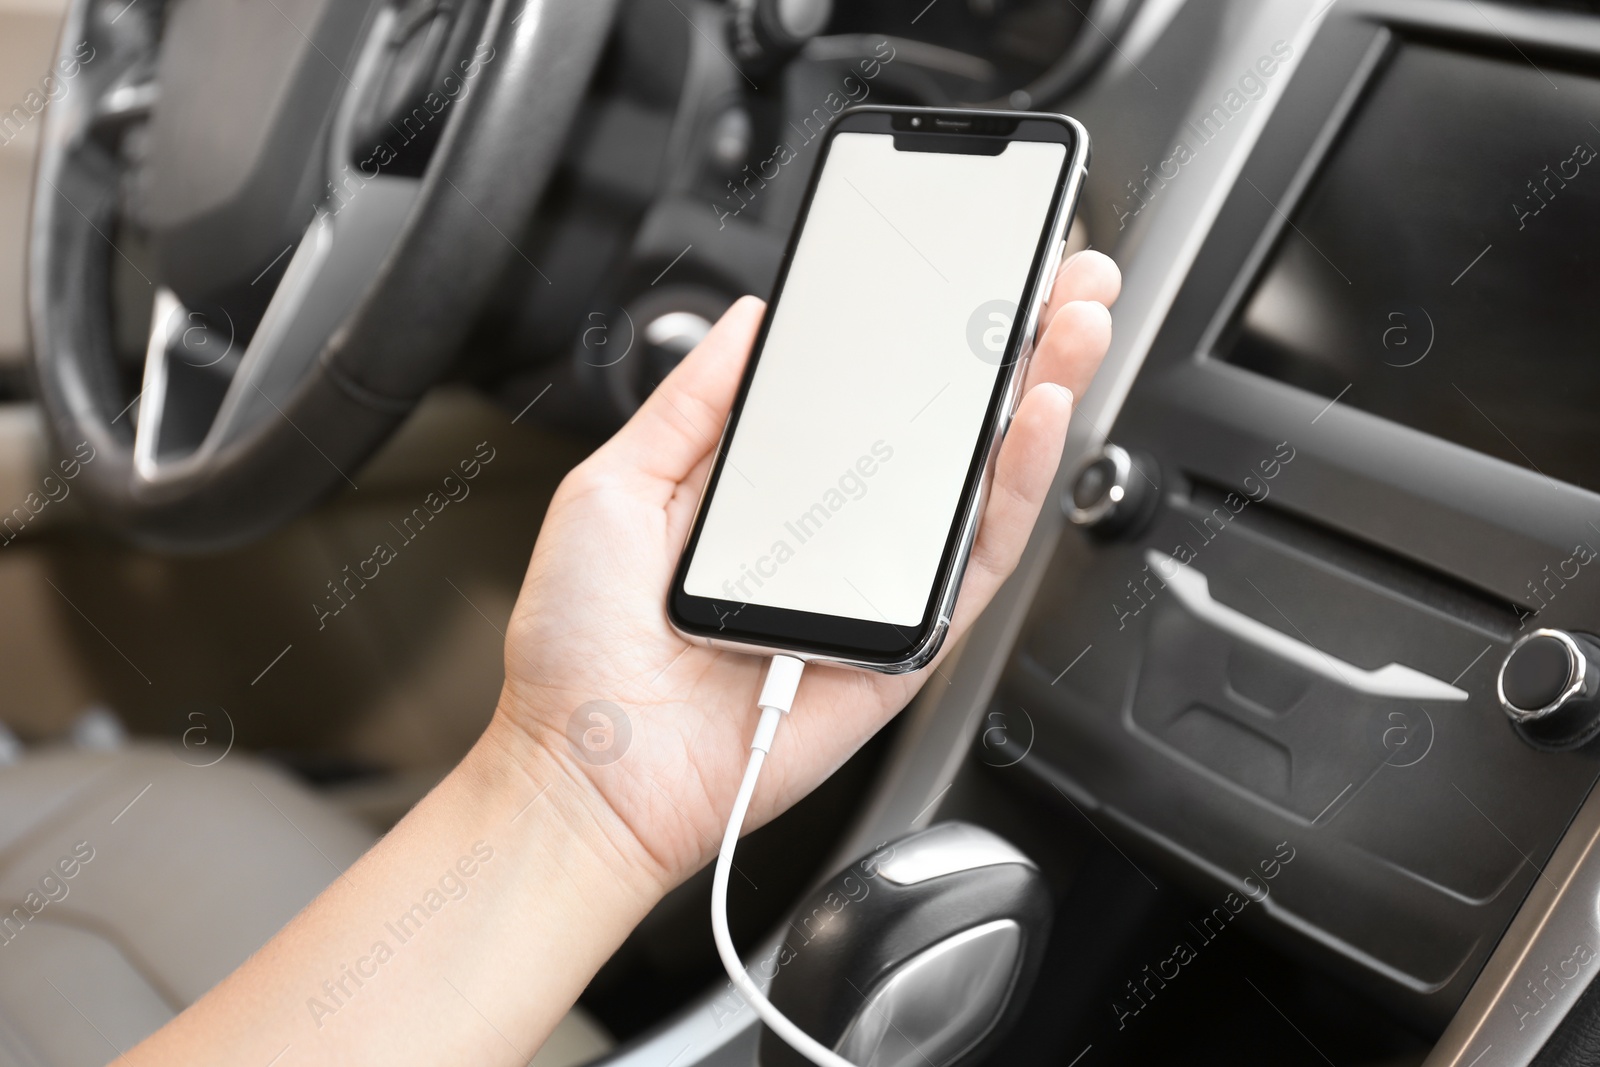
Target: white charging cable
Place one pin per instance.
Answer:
(777, 696)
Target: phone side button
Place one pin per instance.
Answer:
(1015, 400)
(1048, 282)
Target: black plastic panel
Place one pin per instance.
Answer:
(1414, 818)
(1475, 172)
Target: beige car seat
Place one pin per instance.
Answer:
(131, 882)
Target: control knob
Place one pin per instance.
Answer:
(1549, 685)
(1115, 492)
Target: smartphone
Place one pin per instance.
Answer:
(847, 487)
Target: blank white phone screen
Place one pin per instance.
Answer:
(845, 472)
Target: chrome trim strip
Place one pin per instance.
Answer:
(152, 398)
(1391, 680)
(1547, 958)
(946, 849)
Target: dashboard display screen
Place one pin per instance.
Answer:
(1442, 271)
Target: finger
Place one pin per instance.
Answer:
(684, 500)
(1072, 347)
(1085, 276)
(680, 422)
(1023, 474)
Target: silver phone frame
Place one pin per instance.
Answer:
(1036, 295)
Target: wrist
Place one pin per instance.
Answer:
(518, 764)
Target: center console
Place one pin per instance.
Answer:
(1367, 423)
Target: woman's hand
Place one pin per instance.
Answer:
(590, 624)
(570, 847)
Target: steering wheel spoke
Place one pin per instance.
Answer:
(337, 260)
(325, 218)
(186, 367)
(198, 397)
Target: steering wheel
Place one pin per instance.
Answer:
(312, 198)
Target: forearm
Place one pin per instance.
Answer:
(463, 936)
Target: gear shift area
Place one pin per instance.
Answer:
(921, 952)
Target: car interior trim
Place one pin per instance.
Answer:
(1523, 993)
(1394, 680)
(946, 849)
(1577, 678)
